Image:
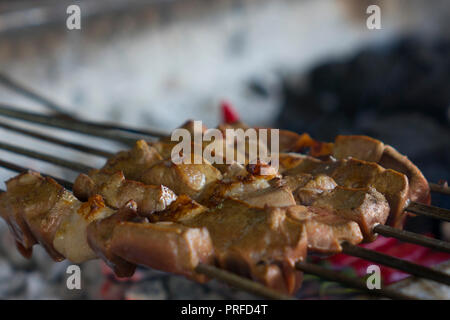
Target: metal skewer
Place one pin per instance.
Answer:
(74, 126)
(435, 187)
(31, 94)
(396, 263)
(64, 143)
(241, 283)
(429, 211)
(27, 92)
(350, 282)
(102, 130)
(412, 237)
(75, 166)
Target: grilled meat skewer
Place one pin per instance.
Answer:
(144, 164)
(353, 173)
(228, 215)
(263, 243)
(204, 183)
(38, 210)
(372, 150)
(358, 147)
(117, 191)
(82, 231)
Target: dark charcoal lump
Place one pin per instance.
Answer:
(408, 76)
(398, 93)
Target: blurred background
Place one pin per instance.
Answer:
(304, 65)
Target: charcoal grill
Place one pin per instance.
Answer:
(128, 135)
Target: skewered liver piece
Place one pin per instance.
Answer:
(256, 190)
(182, 178)
(133, 162)
(419, 189)
(251, 224)
(34, 208)
(365, 206)
(144, 164)
(359, 147)
(165, 246)
(70, 239)
(325, 229)
(243, 235)
(118, 181)
(366, 148)
(369, 149)
(353, 173)
(90, 229)
(99, 236)
(307, 188)
(48, 214)
(261, 244)
(117, 191)
(80, 231)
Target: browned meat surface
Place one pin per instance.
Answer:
(133, 162)
(34, 207)
(269, 197)
(165, 246)
(369, 149)
(247, 184)
(99, 235)
(289, 161)
(247, 218)
(37, 209)
(166, 145)
(366, 148)
(307, 188)
(184, 208)
(289, 141)
(79, 231)
(358, 147)
(188, 179)
(325, 229)
(234, 171)
(419, 190)
(295, 181)
(117, 191)
(24, 239)
(255, 190)
(251, 241)
(71, 237)
(367, 207)
(354, 173)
